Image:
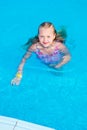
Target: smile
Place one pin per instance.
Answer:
(45, 42)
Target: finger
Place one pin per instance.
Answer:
(13, 81)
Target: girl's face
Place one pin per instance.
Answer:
(46, 36)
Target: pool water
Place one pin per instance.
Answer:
(48, 97)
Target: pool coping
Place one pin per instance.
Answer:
(8, 123)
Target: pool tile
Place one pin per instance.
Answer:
(5, 127)
(7, 123)
(22, 125)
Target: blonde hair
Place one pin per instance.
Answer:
(59, 36)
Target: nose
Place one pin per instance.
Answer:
(45, 39)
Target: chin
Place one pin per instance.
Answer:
(46, 46)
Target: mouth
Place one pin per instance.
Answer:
(45, 42)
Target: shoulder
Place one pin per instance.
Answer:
(60, 45)
(32, 47)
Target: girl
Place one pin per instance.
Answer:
(48, 46)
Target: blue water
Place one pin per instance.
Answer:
(46, 97)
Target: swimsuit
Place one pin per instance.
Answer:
(53, 58)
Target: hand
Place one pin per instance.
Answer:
(17, 79)
(58, 66)
(55, 66)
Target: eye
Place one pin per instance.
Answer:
(41, 36)
(48, 36)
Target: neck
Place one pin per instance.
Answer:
(47, 46)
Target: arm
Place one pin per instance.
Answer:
(18, 77)
(66, 57)
(25, 57)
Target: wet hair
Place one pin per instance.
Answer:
(60, 36)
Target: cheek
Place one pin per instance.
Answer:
(40, 39)
(51, 39)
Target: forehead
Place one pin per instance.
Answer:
(47, 30)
